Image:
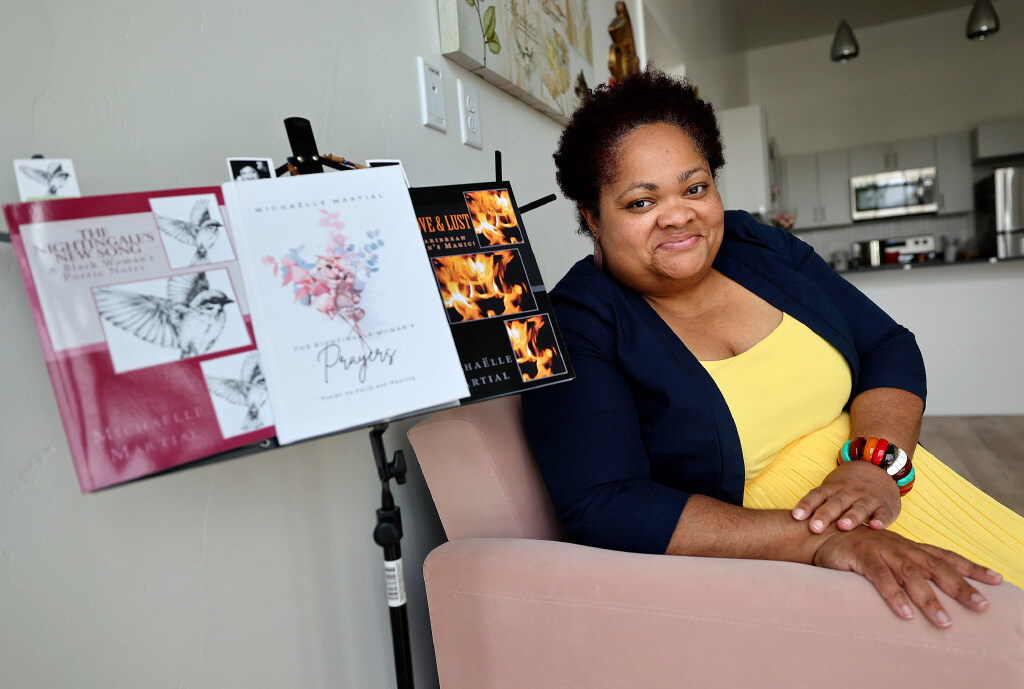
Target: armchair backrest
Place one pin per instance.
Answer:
(481, 473)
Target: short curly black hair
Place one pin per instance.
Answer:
(587, 155)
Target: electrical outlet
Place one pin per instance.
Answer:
(431, 96)
(469, 115)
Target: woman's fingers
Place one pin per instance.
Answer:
(812, 501)
(915, 582)
(963, 566)
(903, 571)
(853, 494)
(879, 574)
(850, 506)
(882, 518)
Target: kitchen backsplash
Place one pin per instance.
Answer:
(956, 227)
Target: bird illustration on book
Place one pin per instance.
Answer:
(53, 177)
(190, 318)
(249, 390)
(201, 230)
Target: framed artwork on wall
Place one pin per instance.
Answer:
(540, 51)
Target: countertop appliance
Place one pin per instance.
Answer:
(888, 194)
(999, 204)
(876, 252)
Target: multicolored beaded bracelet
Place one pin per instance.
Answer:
(884, 454)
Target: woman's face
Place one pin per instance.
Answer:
(661, 219)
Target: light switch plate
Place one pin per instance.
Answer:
(469, 115)
(431, 96)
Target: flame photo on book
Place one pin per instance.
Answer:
(493, 293)
(478, 286)
(533, 342)
(493, 217)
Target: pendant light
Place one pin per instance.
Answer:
(844, 45)
(983, 21)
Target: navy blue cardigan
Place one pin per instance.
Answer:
(644, 426)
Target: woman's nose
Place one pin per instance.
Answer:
(675, 213)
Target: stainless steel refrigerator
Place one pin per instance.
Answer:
(999, 203)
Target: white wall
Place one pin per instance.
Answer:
(699, 39)
(916, 77)
(259, 572)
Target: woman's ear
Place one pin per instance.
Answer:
(591, 218)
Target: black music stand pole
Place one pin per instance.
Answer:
(388, 535)
(388, 532)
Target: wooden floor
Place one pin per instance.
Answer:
(986, 450)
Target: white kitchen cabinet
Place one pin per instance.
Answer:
(954, 182)
(998, 139)
(834, 188)
(867, 160)
(745, 180)
(906, 154)
(817, 189)
(910, 154)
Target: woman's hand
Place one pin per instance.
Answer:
(900, 569)
(854, 493)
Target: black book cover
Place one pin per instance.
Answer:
(495, 300)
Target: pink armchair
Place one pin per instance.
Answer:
(511, 605)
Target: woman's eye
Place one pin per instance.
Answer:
(696, 189)
(641, 203)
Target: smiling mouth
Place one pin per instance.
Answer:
(680, 243)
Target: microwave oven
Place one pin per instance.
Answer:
(888, 194)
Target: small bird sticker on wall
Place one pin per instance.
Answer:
(45, 178)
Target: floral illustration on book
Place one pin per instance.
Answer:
(192, 230)
(238, 392)
(494, 217)
(485, 285)
(332, 283)
(155, 322)
(533, 343)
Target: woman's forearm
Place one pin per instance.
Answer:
(888, 413)
(712, 528)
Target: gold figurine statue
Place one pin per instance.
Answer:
(622, 57)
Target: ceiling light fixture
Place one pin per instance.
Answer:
(844, 45)
(983, 21)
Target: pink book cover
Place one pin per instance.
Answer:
(144, 328)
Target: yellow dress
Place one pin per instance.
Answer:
(793, 384)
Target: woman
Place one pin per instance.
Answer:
(720, 366)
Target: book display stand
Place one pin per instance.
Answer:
(387, 533)
(305, 159)
(142, 291)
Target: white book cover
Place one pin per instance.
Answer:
(347, 317)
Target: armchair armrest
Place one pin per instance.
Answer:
(525, 613)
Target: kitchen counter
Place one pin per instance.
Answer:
(928, 264)
(968, 319)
